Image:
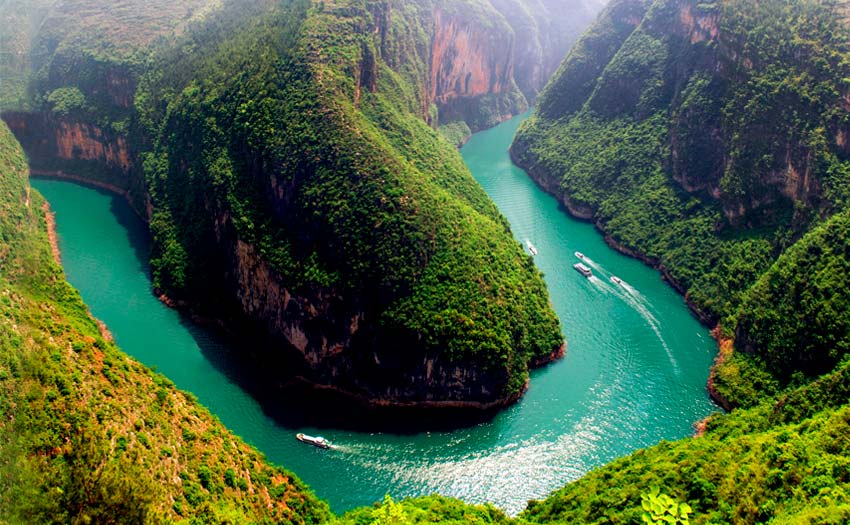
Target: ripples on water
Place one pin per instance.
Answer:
(634, 372)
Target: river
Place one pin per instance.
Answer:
(634, 373)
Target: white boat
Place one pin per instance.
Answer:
(617, 280)
(582, 269)
(580, 255)
(316, 441)
(531, 248)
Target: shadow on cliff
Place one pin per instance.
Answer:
(294, 404)
(289, 402)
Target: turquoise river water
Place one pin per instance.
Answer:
(634, 372)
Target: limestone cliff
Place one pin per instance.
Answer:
(68, 148)
(472, 69)
(486, 60)
(321, 204)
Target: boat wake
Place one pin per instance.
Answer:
(634, 292)
(641, 306)
(346, 449)
(634, 298)
(593, 264)
(599, 284)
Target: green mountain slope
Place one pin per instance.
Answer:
(308, 163)
(90, 436)
(710, 140)
(707, 138)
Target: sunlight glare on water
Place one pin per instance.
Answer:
(634, 373)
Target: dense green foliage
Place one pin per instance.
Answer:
(709, 138)
(709, 159)
(661, 509)
(796, 317)
(428, 509)
(377, 206)
(87, 435)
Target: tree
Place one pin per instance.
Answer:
(661, 509)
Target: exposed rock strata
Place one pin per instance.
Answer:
(331, 341)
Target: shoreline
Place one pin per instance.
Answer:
(61, 175)
(369, 404)
(52, 238)
(725, 349)
(70, 177)
(724, 345)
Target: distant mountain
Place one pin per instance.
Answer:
(287, 159)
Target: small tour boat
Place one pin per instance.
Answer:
(616, 280)
(531, 248)
(580, 255)
(316, 441)
(582, 269)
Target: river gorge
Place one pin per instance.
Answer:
(634, 373)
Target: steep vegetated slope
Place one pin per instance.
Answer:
(295, 168)
(88, 435)
(707, 138)
(285, 152)
(711, 139)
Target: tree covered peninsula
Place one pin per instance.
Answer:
(287, 158)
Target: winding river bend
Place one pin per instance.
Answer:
(634, 374)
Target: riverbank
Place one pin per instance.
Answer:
(585, 213)
(53, 241)
(50, 221)
(86, 181)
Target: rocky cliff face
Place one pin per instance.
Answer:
(546, 30)
(328, 340)
(347, 300)
(487, 60)
(67, 148)
(472, 69)
(68, 140)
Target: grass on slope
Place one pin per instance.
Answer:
(89, 435)
(376, 204)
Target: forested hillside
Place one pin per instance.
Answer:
(710, 139)
(707, 138)
(88, 435)
(287, 152)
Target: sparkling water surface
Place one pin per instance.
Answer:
(634, 373)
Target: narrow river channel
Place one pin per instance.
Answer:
(634, 373)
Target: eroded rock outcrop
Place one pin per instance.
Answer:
(384, 302)
(67, 148)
